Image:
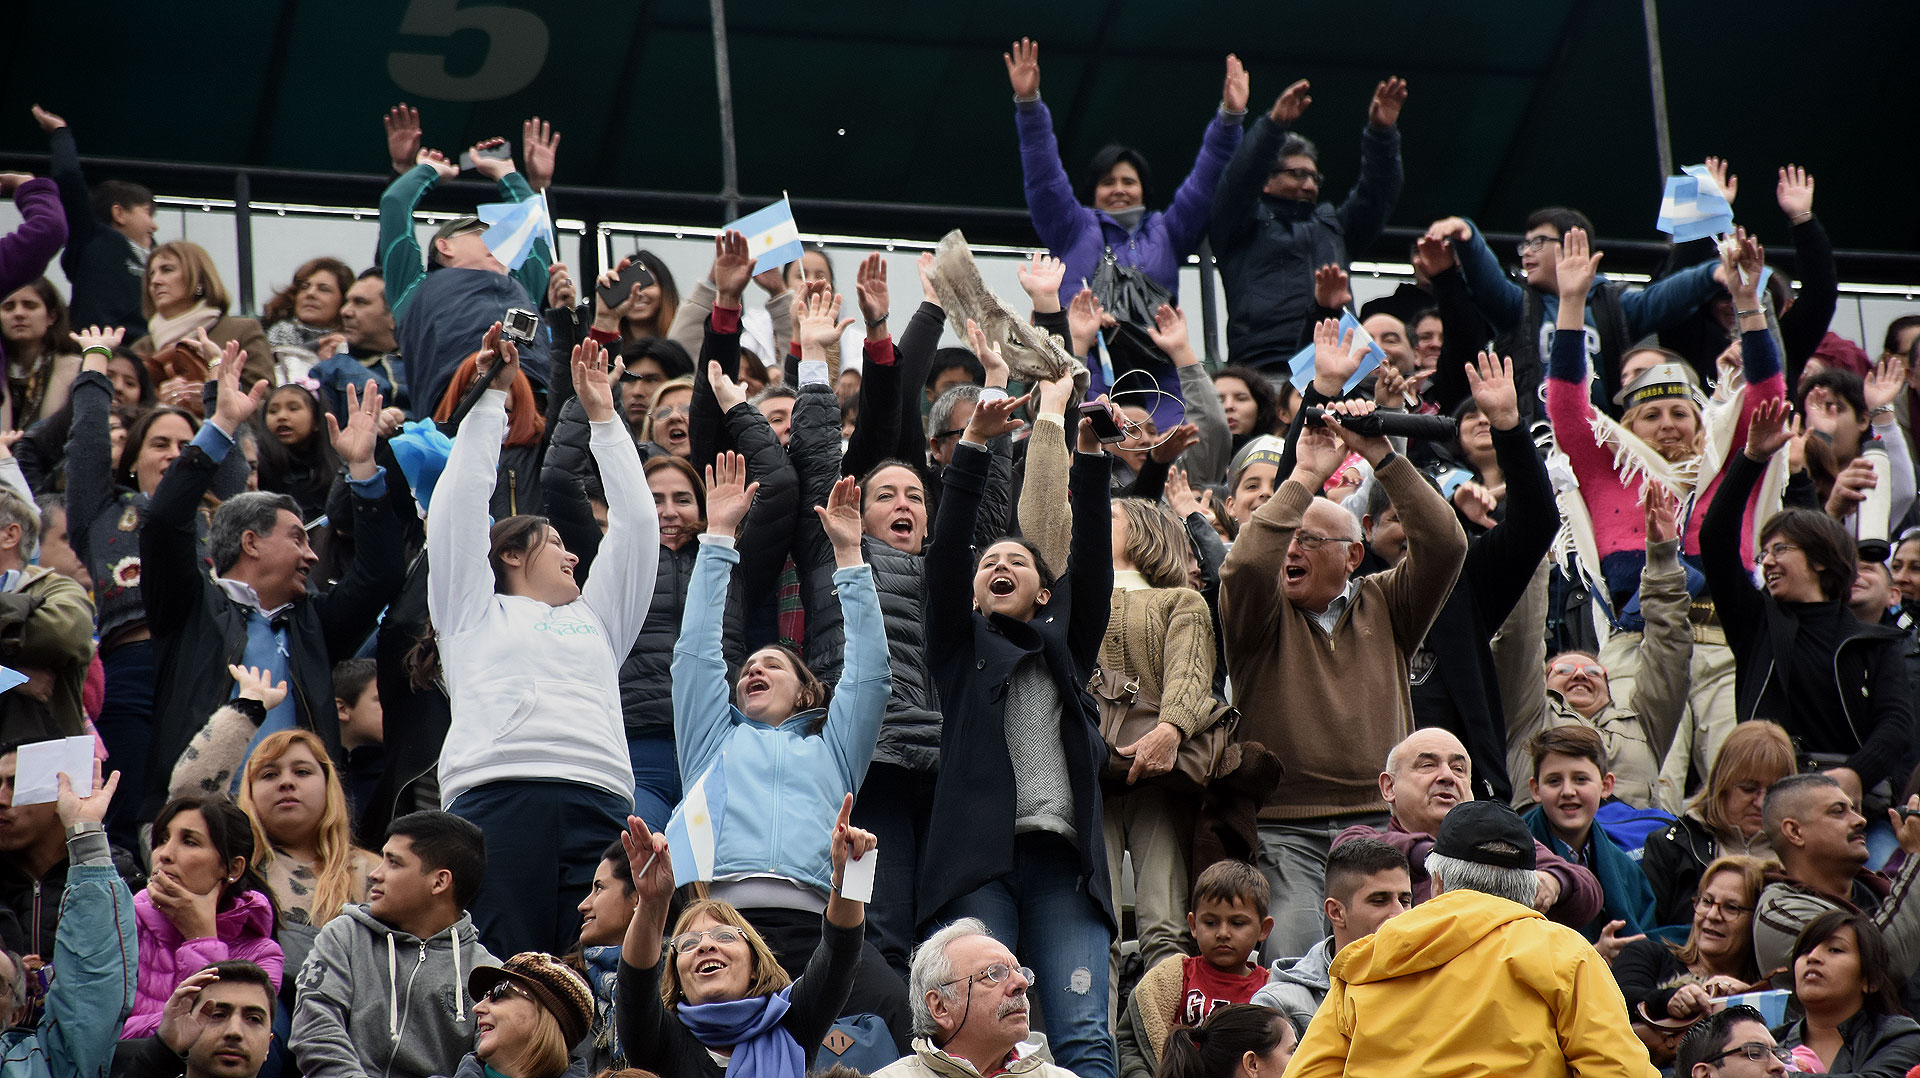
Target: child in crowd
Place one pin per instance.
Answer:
(363, 731)
(1570, 780)
(1229, 921)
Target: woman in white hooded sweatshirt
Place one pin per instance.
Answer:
(537, 753)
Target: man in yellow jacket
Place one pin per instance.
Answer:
(1473, 981)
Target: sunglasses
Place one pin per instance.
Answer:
(503, 991)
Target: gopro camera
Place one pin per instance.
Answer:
(520, 325)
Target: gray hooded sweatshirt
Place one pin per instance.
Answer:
(1295, 986)
(375, 1002)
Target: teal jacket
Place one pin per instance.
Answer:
(1625, 894)
(96, 961)
(783, 785)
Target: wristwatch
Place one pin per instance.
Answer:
(84, 827)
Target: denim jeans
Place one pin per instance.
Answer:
(656, 778)
(544, 841)
(1293, 858)
(1042, 912)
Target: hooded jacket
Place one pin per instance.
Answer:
(244, 931)
(376, 1002)
(1579, 891)
(96, 954)
(1471, 984)
(930, 1062)
(1872, 1045)
(1297, 985)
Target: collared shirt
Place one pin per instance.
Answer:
(243, 593)
(1130, 580)
(1330, 617)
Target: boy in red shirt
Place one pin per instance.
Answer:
(1228, 919)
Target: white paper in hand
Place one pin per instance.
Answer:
(856, 883)
(37, 778)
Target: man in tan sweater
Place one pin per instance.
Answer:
(1318, 660)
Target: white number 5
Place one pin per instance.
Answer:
(516, 50)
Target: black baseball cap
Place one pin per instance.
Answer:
(1485, 833)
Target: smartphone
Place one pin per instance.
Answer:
(501, 152)
(616, 293)
(520, 326)
(1104, 428)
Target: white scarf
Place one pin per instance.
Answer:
(165, 332)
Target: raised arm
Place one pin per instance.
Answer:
(1210, 455)
(25, 252)
(701, 715)
(1057, 215)
(89, 447)
(1500, 562)
(1803, 325)
(400, 257)
(1436, 546)
(1090, 565)
(621, 589)
(460, 587)
(1660, 693)
(94, 947)
(76, 200)
(1722, 556)
(860, 696)
(1043, 496)
(1192, 208)
(639, 1014)
(1497, 297)
(1364, 214)
(1246, 173)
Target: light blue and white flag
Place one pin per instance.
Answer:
(772, 238)
(1693, 206)
(1302, 362)
(513, 226)
(695, 821)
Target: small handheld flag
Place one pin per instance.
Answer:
(772, 237)
(1693, 206)
(691, 829)
(1302, 361)
(512, 228)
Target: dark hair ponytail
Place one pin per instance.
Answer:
(1214, 1049)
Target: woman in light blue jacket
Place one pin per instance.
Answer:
(779, 751)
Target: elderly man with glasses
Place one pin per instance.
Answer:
(1319, 661)
(970, 1010)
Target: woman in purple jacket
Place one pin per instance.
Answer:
(1118, 186)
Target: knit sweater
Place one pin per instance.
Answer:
(1163, 639)
(1331, 705)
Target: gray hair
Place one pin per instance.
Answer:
(942, 412)
(1453, 874)
(19, 979)
(256, 511)
(17, 510)
(1297, 146)
(932, 970)
(773, 392)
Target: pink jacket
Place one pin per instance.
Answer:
(166, 958)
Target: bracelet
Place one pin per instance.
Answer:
(100, 348)
(1742, 314)
(1885, 409)
(880, 321)
(1802, 217)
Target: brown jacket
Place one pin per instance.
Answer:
(1332, 706)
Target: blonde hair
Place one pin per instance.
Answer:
(196, 265)
(333, 846)
(1699, 421)
(1156, 544)
(1755, 749)
(1752, 872)
(768, 977)
(547, 1052)
(685, 382)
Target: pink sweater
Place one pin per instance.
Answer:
(167, 958)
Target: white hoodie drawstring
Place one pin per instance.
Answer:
(393, 991)
(459, 986)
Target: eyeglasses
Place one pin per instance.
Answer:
(951, 432)
(1708, 903)
(1302, 174)
(1534, 243)
(1589, 669)
(1311, 543)
(994, 974)
(687, 941)
(502, 990)
(1756, 1052)
(1776, 552)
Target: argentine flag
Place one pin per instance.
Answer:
(772, 237)
(1302, 362)
(690, 831)
(1693, 206)
(513, 226)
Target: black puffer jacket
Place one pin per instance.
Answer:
(910, 734)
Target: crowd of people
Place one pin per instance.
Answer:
(497, 674)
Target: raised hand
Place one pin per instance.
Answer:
(821, 325)
(1085, 316)
(1234, 94)
(1291, 103)
(1389, 387)
(1023, 67)
(1389, 97)
(1330, 287)
(729, 495)
(1794, 192)
(1455, 229)
(403, 136)
(1886, 381)
(442, 167)
(993, 418)
(1056, 395)
(256, 683)
(48, 121)
(107, 337)
(1374, 448)
(1663, 513)
(539, 145)
(1577, 265)
(1740, 264)
(1175, 442)
(849, 842)
(1316, 453)
(1335, 357)
(1720, 170)
(1169, 334)
(354, 443)
(592, 380)
(727, 393)
(180, 1020)
(1089, 441)
(924, 264)
(1432, 257)
(491, 167)
(1490, 379)
(231, 405)
(650, 863)
(870, 287)
(607, 318)
(1180, 494)
(561, 292)
(92, 808)
(732, 267)
(1040, 278)
(840, 518)
(988, 353)
(495, 348)
(1767, 430)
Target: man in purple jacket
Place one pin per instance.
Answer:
(1119, 187)
(1427, 775)
(26, 251)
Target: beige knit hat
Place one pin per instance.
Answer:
(552, 984)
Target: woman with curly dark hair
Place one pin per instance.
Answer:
(305, 311)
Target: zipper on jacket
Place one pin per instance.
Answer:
(1840, 690)
(513, 494)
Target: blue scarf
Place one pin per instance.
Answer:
(751, 1027)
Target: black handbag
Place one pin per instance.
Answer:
(1131, 297)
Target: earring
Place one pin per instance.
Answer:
(200, 290)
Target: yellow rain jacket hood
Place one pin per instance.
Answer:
(1467, 984)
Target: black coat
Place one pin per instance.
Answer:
(973, 658)
(199, 630)
(1673, 861)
